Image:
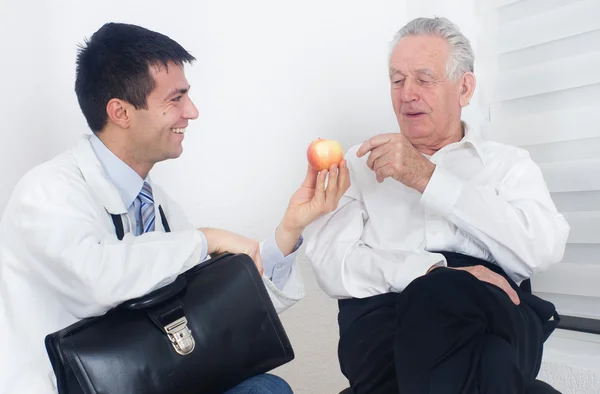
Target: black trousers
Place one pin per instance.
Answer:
(446, 333)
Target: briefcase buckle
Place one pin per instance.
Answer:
(181, 336)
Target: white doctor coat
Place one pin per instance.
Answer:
(60, 261)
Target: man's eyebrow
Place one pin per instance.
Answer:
(426, 71)
(423, 71)
(175, 91)
(394, 71)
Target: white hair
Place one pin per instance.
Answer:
(461, 58)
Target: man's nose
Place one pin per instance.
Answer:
(190, 110)
(409, 90)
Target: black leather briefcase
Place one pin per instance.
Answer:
(212, 328)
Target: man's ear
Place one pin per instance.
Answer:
(467, 88)
(119, 113)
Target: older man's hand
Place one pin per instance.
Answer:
(392, 155)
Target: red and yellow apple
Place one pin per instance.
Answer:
(322, 153)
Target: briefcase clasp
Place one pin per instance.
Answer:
(181, 336)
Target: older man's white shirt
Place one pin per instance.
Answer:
(485, 199)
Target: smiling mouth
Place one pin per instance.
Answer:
(179, 130)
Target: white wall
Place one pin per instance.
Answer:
(271, 76)
(23, 69)
(277, 78)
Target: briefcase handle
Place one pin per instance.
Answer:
(157, 296)
(169, 291)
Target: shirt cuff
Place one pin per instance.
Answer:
(442, 263)
(442, 191)
(276, 266)
(417, 265)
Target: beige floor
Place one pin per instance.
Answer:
(312, 328)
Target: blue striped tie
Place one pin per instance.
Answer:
(147, 208)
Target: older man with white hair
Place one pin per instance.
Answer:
(426, 248)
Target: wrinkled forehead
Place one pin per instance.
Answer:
(420, 53)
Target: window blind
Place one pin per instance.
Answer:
(546, 99)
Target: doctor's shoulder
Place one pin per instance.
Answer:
(55, 177)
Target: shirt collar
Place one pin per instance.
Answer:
(126, 180)
(470, 138)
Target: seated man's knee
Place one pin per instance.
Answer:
(440, 282)
(262, 384)
(442, 289)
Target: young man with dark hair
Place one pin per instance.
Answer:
(60, 257)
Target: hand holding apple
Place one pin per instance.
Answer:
(322, 153)
(319, 194)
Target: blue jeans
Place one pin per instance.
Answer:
(262, 384)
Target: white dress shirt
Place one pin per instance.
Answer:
(485, 199)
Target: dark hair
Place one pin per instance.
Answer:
(115, 63)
